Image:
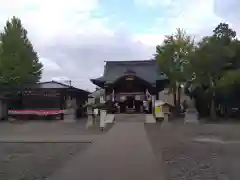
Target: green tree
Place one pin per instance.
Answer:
(18, 61)
(210, 60)
(171, 57)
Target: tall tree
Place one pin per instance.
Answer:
(209, 60)
(171, 57)
(18, 61)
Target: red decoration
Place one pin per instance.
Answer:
(36, 112)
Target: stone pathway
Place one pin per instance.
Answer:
(123, 153)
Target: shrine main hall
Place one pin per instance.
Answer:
(131, 83)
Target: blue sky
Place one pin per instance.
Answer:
(137, 19)
(73, 38)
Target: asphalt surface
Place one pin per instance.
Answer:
(124, 153)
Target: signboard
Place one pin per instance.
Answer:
(158, 109)
(129, 78)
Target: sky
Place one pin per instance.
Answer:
(73, 38)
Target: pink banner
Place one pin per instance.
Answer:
(36, 112)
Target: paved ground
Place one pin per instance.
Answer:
(127, 151)
(49, 131)
(187, 159)
(48, 127)
(35, 161)
(50, 145)
(124, 153)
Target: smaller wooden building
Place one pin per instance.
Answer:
(47, 98)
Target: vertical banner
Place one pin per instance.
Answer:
(148, 95)
(113, 96)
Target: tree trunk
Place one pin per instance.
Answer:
(174, 96)
(213, 115)
(179, 97)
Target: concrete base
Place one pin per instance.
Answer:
(109, 118)
(103, 114)
(191, 117)
(150, 118)
(89, 121)
(70, 116)
(11, 119)
(166, 118)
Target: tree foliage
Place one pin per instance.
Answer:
(211, 65)
(18, 61)
(171, 57)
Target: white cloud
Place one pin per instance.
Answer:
(194, 16)
(67, 22)
(149, 39)
(73, 44)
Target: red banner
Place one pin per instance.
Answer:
(36, 112)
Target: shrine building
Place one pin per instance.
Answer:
(130, 83)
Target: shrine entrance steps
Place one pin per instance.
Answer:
(130, 118)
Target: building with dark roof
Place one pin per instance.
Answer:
(46, 98)
(129, 82)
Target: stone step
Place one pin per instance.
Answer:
(129, 118)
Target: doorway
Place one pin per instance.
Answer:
(130, 102)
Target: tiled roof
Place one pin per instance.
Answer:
(147, 70)
(51, 85)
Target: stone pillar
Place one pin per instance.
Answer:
(103, 114)
(89, 121)
(166, 117)
(191, 114)
(69, 116)
(153, 104)
(89, 116)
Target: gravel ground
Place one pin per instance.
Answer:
(50, 127)
(184, 159)
(35, 161)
